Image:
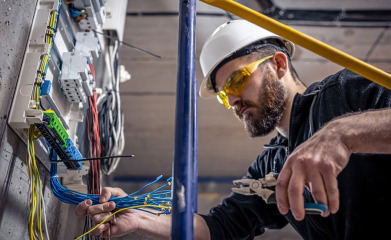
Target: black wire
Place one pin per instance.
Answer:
(109, 104)
(103, 119)
(105, 129)
(40, 104)
(127, 44)
(94, 159)
(374, 45)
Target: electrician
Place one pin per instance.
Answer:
(331, 145)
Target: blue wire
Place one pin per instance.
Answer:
(72, 197)
(74, 12)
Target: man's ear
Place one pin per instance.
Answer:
(281, 62)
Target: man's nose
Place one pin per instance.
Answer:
(232, 99)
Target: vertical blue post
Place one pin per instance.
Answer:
(183, 176)
(195, 145)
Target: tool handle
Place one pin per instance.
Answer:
(315, 208)
(310, 208)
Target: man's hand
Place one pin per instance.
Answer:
(145, 224)
(120, 224)
(315, 164)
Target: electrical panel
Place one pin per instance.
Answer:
(57, 87)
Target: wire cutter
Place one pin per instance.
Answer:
(259, 187)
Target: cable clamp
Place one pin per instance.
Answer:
(42, 73)
(55, 176)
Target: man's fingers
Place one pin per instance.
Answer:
(281, 190)
(318, 190)
(81, 209)
(331, 186)
(98, 218)
(108, 192)
(99, 230)
(295, 190)
(101, 208)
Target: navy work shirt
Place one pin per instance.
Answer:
(364, 184)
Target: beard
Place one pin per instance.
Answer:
(268, 108)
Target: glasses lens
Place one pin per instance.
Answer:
(237, 82)
(222, 98)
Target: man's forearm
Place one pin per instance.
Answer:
(367, 132)
(155, 227)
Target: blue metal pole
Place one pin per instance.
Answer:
(183, 176)
(195, 144)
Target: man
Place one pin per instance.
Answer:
(331, 144)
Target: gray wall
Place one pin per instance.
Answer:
(15, 23)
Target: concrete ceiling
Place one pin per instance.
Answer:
(224, 148)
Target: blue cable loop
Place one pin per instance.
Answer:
(72, 197)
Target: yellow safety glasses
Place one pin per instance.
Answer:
(238, 81)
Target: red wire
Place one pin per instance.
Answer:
(97, 147)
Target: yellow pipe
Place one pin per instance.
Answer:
(364, 69)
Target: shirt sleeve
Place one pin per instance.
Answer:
(244, 217)
(362, 94)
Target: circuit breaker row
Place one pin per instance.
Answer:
(77, 81)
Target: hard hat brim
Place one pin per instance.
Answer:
(205, 92)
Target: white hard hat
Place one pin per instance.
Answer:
(226, 40)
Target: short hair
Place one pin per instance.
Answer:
(270, 50)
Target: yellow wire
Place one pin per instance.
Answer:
(32, 169)
(36, 184)
(140, 206)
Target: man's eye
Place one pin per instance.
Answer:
(237, 82)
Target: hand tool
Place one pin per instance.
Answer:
(261, 186)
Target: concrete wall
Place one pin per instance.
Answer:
(15, 23)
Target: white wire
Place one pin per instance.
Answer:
(116, 140)
(44, 217)
(29, 170)
(119, 152)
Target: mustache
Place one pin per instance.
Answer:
(242, 104)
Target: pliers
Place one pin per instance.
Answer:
(259, 187)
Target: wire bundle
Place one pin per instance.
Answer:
(36, 198)
(154, 198)
(93, 180)
(37, 204)
(94, 140)
(110, 115)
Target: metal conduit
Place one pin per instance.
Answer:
(185, 128)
